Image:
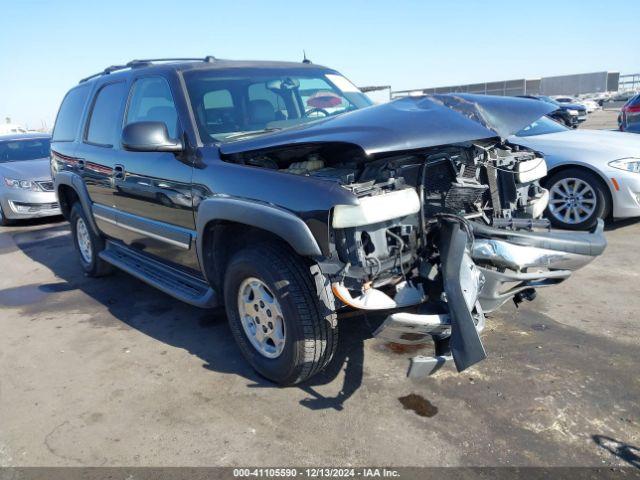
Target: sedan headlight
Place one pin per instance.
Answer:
(628, 164)
(22, 184)
(377, 208)
(573, 112)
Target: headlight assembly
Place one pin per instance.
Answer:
(21, 184)
(377, 208)
(573, 112)
(628, 164)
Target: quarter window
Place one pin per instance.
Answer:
(69, 115)
(105, 124)
(151, 101)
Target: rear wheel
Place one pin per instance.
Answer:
(577, 199)
(280, 312)
(88, 244)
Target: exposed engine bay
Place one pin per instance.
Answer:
(438, 237)
(402, 196)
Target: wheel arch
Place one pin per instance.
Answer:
(226, 224)
(70, 189)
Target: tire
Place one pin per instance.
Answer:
(308, 322)
(91, 263)
(585, 209)
(4, 221)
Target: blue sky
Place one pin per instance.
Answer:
(47, 46)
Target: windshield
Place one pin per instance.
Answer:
(20, 150)
(540, 127)
(229, 107)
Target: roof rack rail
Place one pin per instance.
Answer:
(146, 62)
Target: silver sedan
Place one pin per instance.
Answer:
(592, 173)
(26, 188)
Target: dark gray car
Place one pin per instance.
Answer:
(279, 191)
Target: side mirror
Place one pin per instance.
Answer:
(149, 137)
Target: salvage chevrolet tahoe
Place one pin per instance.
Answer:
(279, 191)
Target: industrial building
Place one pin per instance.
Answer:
(558, 85)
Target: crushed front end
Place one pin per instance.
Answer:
(443, 221)
(443, 236)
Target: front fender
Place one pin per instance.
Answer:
(275, 220)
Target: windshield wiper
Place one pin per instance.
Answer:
(238, 135)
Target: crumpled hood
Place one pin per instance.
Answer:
(39, 169)
(410, 123)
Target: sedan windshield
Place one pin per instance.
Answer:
(23, 149)
(542, 126)
(229, 107)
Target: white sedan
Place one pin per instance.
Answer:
(591, 173)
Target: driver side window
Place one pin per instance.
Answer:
(151, 101)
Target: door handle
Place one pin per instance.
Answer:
(118, 172)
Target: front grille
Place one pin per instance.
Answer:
(463, 199)
(443, 193)
(47, 186)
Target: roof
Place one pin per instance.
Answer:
(23, 136)
(208, 63)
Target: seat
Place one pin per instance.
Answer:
(261, 112)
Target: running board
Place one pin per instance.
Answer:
(171, 281)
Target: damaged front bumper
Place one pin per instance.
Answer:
(480, 275)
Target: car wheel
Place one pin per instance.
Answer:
(577, 199)
(281, 313)
(88, 244)
(4, 221)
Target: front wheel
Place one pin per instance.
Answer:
(4, 221)
(280, 312)
(577, 199)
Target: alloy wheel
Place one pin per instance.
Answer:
(84, 241)
(261, 317)
(572, 200)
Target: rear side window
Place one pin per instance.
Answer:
(105, 124)
(151, 101)
(69, 115)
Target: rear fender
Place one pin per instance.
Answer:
(74, 181)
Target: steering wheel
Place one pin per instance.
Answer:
(316, 111)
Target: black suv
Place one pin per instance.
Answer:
(277, 190)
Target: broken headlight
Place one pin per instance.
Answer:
(377, 208)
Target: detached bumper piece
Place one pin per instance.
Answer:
(499, 265)
(516, 262)
(456, 333)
